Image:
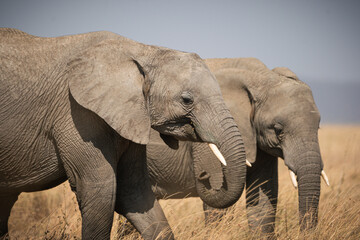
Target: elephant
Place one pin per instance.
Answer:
(277, 117)
(80, 108)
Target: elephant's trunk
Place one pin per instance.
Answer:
(221, 186)
(309, 194)
(307, 166)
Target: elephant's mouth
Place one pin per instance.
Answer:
(182, 129)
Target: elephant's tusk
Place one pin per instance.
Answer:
(248, 163)
(293, 179)
(323, 174)
(217, 153)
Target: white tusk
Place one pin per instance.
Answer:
(217, 153)
(248, 163)
(323, 174)
(293, 179)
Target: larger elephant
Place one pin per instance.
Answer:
(277, 116)
(81, 108)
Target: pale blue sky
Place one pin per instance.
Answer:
(318, 40)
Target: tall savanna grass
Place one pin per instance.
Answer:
(54, 214)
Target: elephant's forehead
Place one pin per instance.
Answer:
(290, 97)
(181, 64)
(188, 73)
(291, 92)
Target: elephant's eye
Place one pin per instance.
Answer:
(278, 130)
(187, 98)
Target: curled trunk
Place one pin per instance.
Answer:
(221, 186)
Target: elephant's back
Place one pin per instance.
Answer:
(250, 64)
(33, 67)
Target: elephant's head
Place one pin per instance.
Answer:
(287, 126)
(134, 87)
(282, 120)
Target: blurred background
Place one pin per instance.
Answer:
(318, 40)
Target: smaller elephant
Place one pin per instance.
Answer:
(80, 108)
(277, 117)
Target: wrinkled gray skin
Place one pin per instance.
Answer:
(277, 117)
(81, 107)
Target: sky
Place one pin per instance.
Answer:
(318, 40)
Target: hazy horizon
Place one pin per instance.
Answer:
(318, 40)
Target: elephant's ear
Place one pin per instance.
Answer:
(240, 102)
(106, 81)
(284, 71)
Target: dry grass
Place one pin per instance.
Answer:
(53, 214)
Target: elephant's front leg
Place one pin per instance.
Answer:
(261, 194)
(92, 178)
(97, 203)
(135, 200)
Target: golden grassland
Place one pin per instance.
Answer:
(53, 214)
